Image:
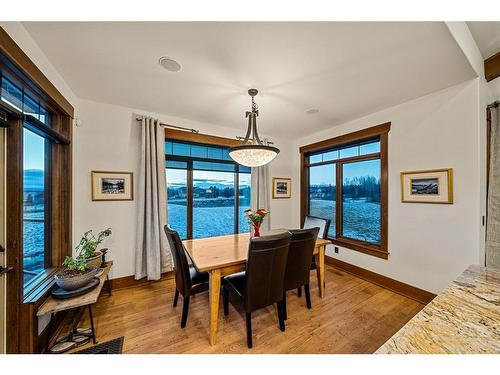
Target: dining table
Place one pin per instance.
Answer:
(225, 255)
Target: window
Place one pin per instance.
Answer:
(34, 206)
(345, 180)
(207, 192)
(23, 100)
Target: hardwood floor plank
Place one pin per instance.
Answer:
(355, 316)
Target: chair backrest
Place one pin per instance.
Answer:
(322, 224)
(266, 270)
(298, 265)
(181, 264)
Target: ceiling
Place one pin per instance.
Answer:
(487, 37)
(344, 69)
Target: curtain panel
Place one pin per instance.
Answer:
(493, 214)
(153, 255)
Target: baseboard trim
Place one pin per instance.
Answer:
(130, 281)
(395, 286)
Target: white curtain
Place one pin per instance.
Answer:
(493, 224)
(261, 192)
(153, 254)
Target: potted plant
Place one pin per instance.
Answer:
(75, 274)
(255, 219)
(87, 248)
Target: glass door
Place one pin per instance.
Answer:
(213, 203)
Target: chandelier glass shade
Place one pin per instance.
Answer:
(253, 152)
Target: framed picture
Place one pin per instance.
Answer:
(431, 186)
(282, 187)
(112, 186)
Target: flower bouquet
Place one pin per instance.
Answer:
(255, 219)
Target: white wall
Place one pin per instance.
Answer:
(429, 244)
(495, 89)
(109, 140)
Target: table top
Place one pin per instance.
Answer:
(465, 318)
(217, 252)
(53, 305)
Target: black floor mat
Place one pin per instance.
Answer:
(109, 347)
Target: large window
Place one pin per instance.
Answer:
(34, 205)
(345, 180)
(35, 197)
(207, 191)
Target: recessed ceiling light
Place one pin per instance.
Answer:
(312, 111)
(169, 64)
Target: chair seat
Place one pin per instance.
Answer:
(197, 277)
(237, 282)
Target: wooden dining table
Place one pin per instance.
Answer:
(225, 255)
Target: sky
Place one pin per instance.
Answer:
(179, 177)
(34, 151)
(325, 174)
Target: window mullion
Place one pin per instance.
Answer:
(236, 198)
(338, 206)
(189, 219)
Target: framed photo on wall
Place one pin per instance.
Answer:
(282, 187)
(112, 186)
(430, 186)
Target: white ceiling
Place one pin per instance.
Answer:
(487, 37)
(346, 70)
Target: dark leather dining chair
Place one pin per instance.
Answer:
(299, 263)
(261, 284)
(188, 281)
(324, 226)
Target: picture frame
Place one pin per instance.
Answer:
(427, 186)
(112, 186)
(282, 187)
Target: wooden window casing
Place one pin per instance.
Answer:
(379, 132)
(23, 303)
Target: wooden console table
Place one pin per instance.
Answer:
(53, 305)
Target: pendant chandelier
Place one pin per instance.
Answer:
(253, 152)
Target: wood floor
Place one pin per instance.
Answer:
(354, 317)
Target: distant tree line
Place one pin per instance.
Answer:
(365, 187)
(210, 192)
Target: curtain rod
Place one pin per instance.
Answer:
(496, 103)
(139, 118)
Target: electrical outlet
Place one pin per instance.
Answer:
(336, 249)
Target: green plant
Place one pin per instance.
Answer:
(88, 244)
(77, 264)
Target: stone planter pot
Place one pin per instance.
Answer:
(96, 260)
(76, 282)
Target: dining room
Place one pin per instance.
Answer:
(249, 187)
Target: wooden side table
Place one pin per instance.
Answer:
(53, 306)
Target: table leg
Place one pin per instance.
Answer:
(92, 324)
(214, 304)
(320, 270)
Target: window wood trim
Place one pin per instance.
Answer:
(10, 49)
(22, 303)
(381, 131)
(206, 139)
(492, 67)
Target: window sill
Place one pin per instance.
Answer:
(41, 285)
(362, 247)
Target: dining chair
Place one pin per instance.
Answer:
(188, 281)
(261, 284)
(298, 263)
(324, 226)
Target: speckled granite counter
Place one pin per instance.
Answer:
(465, 318)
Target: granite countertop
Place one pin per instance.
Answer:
(465, 318)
